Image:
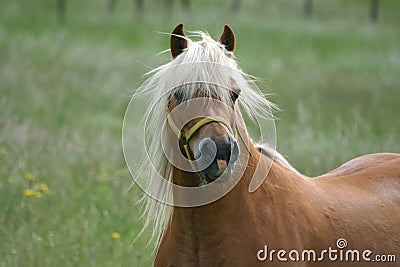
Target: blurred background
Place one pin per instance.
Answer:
(68, 68)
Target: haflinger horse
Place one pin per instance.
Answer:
(349, 216)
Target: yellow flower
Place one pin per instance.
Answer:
(33, 193)
(42, 187)
(38, 194)
(29, 192)
(115, 235)
(45, 188)
(29, 176)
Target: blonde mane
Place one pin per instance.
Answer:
(207, 66)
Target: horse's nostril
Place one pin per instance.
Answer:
(224, 148)
(206, 149)
(215, 155)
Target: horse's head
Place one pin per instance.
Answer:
(192, 120)
(203, 119)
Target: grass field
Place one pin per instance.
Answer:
(64, 198)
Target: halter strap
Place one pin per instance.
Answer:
(205, 121)
(172, 124)
(184, 137)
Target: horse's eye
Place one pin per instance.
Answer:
(234, 96)
(178, 96)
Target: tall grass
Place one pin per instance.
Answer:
(64, 88)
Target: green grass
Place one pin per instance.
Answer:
(64, 89)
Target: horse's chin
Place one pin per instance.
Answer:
(219, 178)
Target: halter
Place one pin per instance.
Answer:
(184, 137)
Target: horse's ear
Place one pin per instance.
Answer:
(228, 38)
(178, 42)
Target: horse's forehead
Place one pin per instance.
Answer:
(203, 94)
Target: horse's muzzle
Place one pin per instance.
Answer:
(220, 152)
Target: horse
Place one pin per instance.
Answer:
(269, 213)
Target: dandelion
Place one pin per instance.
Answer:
(38, 194)
(32, 193)
(115, 235)
(42, 187)
(29, 176)
(29, 192)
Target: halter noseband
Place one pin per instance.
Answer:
(184, 137)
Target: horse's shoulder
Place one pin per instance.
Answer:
(365, 162)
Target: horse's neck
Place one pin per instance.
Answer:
(210, 226)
